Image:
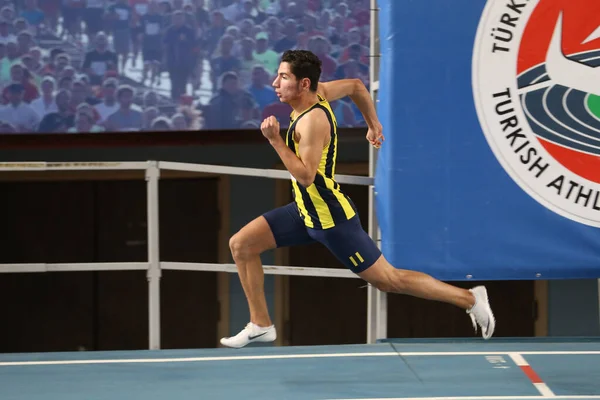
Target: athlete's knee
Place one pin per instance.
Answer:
(241, 247)
(251, 241)
(388, 279)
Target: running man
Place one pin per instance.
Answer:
(320, 211)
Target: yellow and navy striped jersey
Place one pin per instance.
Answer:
(322, 205)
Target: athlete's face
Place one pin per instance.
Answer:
(287, 86)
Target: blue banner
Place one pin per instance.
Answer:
(491, 165)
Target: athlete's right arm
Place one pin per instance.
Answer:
(357, 91)
(335, 90)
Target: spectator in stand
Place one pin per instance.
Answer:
(109, 100)
(261, 89)
(32, 62)
(265, 56)
(90, 95)
(179, 41)
(139, 8)
(165, 9)
(193, 118)
(354, 53)
(178, 122)
(336, 34)
(217, 29)
(245, 11)
(45, 104)
(20, 74)
(354, 44)
(63, 119)
(293, 11)
(24, 43)
(249, 111)
(6, 34)
(149, 114)
(61, 62)
(72, 13)
(51, 9)
(224, 60)
(100, 60)
(190, 16)
(324, 22)
(290, 39)
(69, 72)
(121, 16)
(202, 15)
(152, 39)
(309, 31)
(12, 58)
(161, 124)
(321, 47)
(66, 83)
(150, 99)
(273, 27)
(125, 118)
(79, 94)
(8, 14)
(18, 113)
(257, 12)
(84, 121)
(93, 16)
(246, 28)
(232, 11)
(20, 25)
(230, 97)
(32, 14)
(247, 61)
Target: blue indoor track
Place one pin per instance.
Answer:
(452, 369)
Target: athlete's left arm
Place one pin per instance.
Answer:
(314, 131)
(359, 94)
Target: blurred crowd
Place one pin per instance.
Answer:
(69, 66)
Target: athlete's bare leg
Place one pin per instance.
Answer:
(246, 247)
(386, 278)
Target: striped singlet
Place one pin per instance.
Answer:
(322, 205)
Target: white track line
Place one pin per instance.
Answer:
(483, 398)
(292, 356)
(532, 375)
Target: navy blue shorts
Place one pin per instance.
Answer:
(347, 241)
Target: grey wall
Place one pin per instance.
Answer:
(573, 305)
(573, 308)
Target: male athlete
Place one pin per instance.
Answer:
(321, 211)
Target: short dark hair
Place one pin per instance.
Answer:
(304, 64)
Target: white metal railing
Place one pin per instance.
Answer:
(377, 315)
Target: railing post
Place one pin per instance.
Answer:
(154, 272)
(376, 300)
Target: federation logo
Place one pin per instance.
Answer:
(536, 85)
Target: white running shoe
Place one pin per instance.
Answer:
(481, 312)
(251, 333)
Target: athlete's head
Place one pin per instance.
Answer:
(299, 73)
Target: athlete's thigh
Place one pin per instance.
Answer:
(255, 237)
(350, 244)
(287, 226)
